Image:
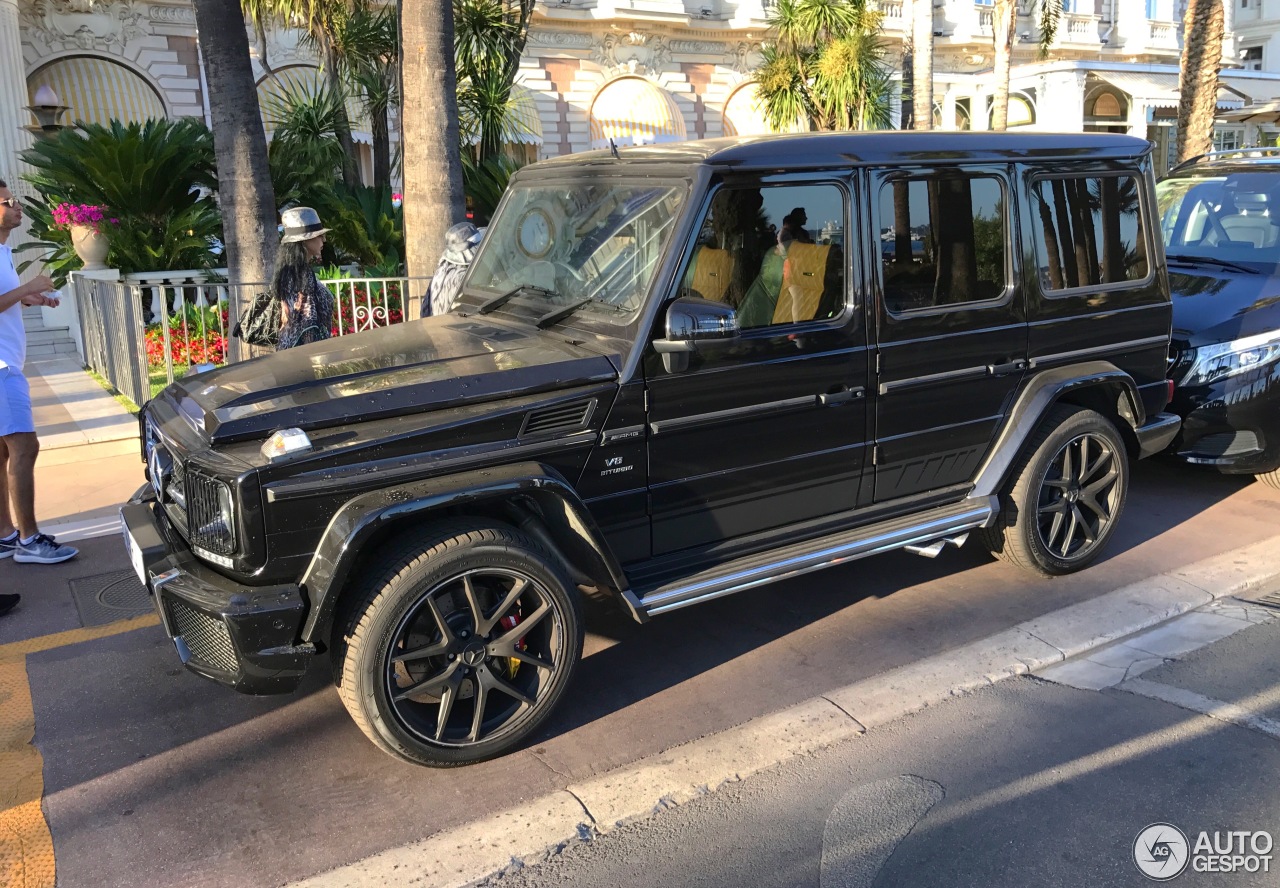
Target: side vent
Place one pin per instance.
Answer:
(561, 418)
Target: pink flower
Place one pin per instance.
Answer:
(92, 216)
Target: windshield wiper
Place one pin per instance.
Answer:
(556, 315)
(1209, 260)
(499, 301)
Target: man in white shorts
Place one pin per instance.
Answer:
(19, 535)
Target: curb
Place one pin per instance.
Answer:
(531, 832)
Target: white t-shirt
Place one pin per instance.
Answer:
(13, 336)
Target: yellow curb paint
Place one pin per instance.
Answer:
(26, 845)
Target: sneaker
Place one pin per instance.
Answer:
(8, 603)
(8, 547)
(44, 549)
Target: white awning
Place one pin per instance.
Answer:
(1266, 112)
(634, 111)
(1161, 90)
(99, 91)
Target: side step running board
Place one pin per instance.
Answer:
(917, 532)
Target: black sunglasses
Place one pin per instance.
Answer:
(11, 202)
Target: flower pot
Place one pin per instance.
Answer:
(91, 246)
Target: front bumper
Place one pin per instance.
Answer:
(242, 636)
(1233, 424)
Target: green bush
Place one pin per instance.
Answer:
(157, 178)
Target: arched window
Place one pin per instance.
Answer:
(99, 91)
(633, 111)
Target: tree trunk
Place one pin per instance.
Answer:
(907, 113)
(433, 198)
(1004, 24)
(1202, 29)
(245, 193)
(922, 68)
(342, 121)
(381, 148)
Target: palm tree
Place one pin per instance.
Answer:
(429, 126)
(1005, 26)
(489, 38)
(322, 20)
(922, 63)
(1202, 29)
(369, 48)
(240, 145)
(825, 65)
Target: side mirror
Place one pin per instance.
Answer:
(691, 321)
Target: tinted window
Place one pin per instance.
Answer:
(774, 253)
(943, 242)
(1090, 231)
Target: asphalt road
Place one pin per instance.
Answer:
(156, 777)
(1026, 783)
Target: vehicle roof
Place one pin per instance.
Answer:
(799, 150)
(1242, 160)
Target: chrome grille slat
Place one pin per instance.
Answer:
(205, 526)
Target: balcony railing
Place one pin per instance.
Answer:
(143, 333)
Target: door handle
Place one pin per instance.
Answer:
(844, 396)
(1005, 369)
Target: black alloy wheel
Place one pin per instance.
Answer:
(1065, 495)
(1078, 496)
(461, 640)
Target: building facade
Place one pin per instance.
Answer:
(665, 70)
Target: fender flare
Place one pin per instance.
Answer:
(369, 516)
(1042, 391)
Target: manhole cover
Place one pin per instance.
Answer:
(109, 597)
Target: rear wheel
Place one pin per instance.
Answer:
(456, 648)
(1066, 496)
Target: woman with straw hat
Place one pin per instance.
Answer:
(306, 305)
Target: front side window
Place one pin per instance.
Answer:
(774, 253)
(1232, 218)
(1090, 231)
(597, 243)
(942, 242)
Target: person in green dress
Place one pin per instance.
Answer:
(761, 299)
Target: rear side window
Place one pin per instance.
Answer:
(1090, 232)
(942, 242)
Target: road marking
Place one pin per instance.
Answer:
(26, 844)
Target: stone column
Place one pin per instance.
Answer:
(13, 96)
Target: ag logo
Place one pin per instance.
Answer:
(1161, 852)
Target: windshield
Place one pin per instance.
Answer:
(1225, 220)
(597, 244)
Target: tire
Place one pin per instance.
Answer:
(1271, 479)
(1066, 494)
(431, 631)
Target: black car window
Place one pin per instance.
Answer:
(943, 242)
(1090, 232)
(775, 253)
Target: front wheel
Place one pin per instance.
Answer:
(1068, 490)
(457, 647)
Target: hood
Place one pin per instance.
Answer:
(402, 369)
(1218, 305)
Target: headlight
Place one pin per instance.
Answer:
(1214, 362)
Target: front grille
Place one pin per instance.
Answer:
(1180, 361)
(206, 636)
(560, 418)
(207, 525)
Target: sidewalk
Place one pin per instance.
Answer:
(89, 462)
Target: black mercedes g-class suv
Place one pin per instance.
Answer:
(676, 372)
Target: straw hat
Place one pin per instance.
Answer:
(300, 224)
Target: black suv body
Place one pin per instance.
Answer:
(1220, 221)
(675, 373)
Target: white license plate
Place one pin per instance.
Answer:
(135, 555)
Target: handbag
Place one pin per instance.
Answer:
(260, 324)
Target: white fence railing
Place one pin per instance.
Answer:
(144, 332)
